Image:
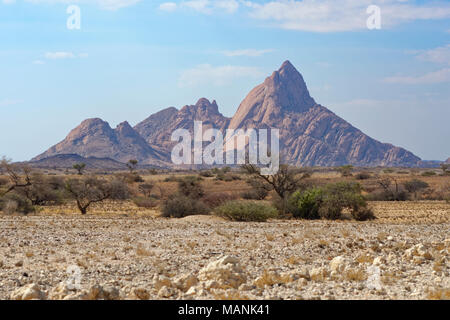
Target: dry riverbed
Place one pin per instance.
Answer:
(402, 255)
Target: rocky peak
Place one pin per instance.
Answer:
(284, 91)
(125, 129)
(202, 107)
(90, 127)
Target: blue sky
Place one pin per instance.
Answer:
(131, 58)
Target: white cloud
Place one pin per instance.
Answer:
(439, 55)
(229, 6)
(8, 1)
(168, 6)
(59, 55)
(202, 6)
(104, 4)
(247, 52)
(338, 16)
(9, 102)
(322, 15)
(218, 76)
(440, 76)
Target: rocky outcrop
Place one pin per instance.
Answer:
(157, 129)
(95, 138)
(310, 134)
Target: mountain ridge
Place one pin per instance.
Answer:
(310, 134)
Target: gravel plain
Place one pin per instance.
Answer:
(404, 254)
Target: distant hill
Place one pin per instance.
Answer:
(63, 161)
(95, 138)
(310, 134)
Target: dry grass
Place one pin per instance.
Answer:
(355, 275)
(439, 294)
(270, 278)
(142, 251)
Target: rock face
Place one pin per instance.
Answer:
(448, 161)
(157, 129)
(95, 138)
(310, 134)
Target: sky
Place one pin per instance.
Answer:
(382, 65)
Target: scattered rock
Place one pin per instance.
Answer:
(29, 292)
(338, 264)
(226, 271)
(318, 274)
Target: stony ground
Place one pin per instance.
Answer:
(402, 255)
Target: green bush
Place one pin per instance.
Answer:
(246, 211)
(428, 173)
(306, 204)
(329, 202)
(178, 206)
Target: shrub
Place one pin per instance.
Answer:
(129, 177)
(4, 181)
(329, 202)
(13, 202)
(216, 199)
(415, 185)
(143, 202)
(363, 176)
(428, 173)
(346, 170)
(206, 174)
(146, 189)
(306, 204)
(171, 178)
(259, 190)
(41, 189)
(339, 196)
(391, 190)
(246, 211)
(178, 206)
(363, 214)
(190, 187)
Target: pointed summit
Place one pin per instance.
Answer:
(284, 91)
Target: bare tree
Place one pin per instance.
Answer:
(19, 175)
(392, 189)
(284, 182)
(91, 190)
(445, 168)
(79, 167)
